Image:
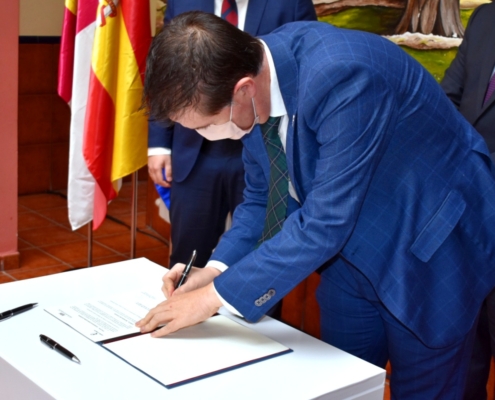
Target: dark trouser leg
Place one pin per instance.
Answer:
(479, 366)
(199, 205)
(354, 320)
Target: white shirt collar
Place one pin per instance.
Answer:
(277, 106)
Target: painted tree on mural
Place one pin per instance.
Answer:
(439, 17)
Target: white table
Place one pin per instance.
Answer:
(30, 370)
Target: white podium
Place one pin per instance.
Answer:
(30, 370)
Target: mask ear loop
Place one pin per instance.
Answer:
(254, 109)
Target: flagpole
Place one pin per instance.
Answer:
(90, 244)
(134, 201)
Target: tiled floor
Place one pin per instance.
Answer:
(47, 244)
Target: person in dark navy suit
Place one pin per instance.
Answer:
(352, 153)
(467, 83)
(207, 178)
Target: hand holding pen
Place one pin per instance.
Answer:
(196, 278)
(187, 270)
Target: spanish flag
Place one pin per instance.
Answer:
(114, 140)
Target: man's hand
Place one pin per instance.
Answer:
(181, 311)
(155, 167)
(197, 278)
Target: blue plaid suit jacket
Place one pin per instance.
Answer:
(390, 177)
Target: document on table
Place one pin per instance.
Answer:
(102, 319)
(211, 347)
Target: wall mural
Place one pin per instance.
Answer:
(428, 30)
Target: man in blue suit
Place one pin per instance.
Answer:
(208, 177)
(385, 179)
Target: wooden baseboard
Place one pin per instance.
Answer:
(9, 261)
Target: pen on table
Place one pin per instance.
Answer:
(15, 311)
(62, 350)
(187, 269)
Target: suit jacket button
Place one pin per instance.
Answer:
(272, 292)
(258, 303)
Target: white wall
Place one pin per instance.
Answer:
(45, 17)
(41, 17)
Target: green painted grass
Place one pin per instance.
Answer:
(435, 61)
(382, 20)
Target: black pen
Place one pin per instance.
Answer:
(15, 311)
(62, 350)
(187, 269)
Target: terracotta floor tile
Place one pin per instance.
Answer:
(107, 228)
(108, 260)
(35, 258)
(21, 244)
(119, 207)
(42, 201)
(21, 209)
(100, 261)
(36, 272)
(386, 394)
(75, 252)
(58, 214)
(144, 242)
(126, 189)
(50, 235)
(158, 255)
(126, 219)
(30, 220)
(4, 278)
(122, 243)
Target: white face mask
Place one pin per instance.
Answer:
(228, 130)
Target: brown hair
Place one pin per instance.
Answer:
(196, 61)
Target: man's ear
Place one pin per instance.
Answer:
(245, 89)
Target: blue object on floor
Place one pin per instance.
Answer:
(164, 192)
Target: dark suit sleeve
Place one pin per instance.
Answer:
(169, 11)
(455, 75)
(305, 11)
(159, 136)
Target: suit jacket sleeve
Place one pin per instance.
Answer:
(305, 11)
(453, 81)
(348, 111)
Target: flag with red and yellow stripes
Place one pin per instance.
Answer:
(66, 59)
(114, 142)
(73, 85)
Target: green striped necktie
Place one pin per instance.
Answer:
(278, 190)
